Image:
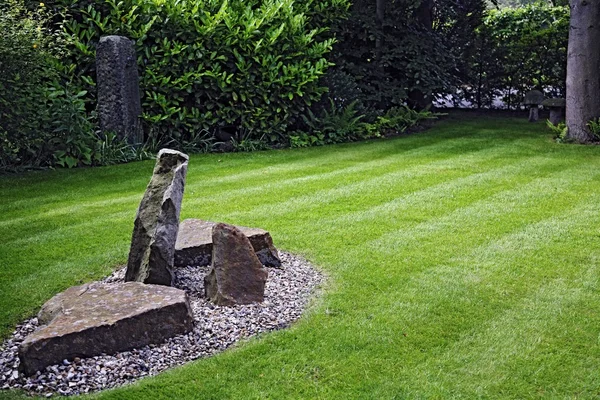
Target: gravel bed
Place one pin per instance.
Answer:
(215, 328)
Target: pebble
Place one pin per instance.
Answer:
(216, 328)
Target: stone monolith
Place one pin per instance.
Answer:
(119, 107)
(156, 224)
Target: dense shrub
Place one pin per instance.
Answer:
(468, 51)
(403, 55)
(43, 121)
(247, 73)
(390, 62)
(518, 50)
(24, 70)
(249, 67)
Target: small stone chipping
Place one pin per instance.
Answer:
(216, 328)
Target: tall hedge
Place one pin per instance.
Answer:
(42, 118)
(518, 50)
(250, 66)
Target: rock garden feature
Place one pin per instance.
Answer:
(156, 224)
(93, 319)
(557, 109)
(194, 244)
(69, 348)
(533, 99)
(237, 276)
(216, 328)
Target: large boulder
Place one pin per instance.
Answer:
(97, 318)
(237, 275)
(156, 224)
(194, 244)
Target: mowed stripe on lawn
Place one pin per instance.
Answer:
(462, 262)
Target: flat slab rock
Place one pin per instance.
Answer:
(194, 244)
(94, 319)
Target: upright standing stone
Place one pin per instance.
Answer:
(119, 105)
(157, 222)
(237, 276)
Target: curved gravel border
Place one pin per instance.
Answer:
(216, 328)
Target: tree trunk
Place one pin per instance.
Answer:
(583, 69)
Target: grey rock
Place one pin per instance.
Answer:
(54, 307)
(156, 224)
(119, 106)
(194, 244)
(216, 328)
(555, 102)
(533, 99)
(237, 275)
(96, 319)
(557, 109)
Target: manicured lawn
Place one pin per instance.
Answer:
(463, 262)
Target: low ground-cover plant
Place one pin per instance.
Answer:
(594, 127)
(559, 130)
(399, 119)
(347, 124)
(110, 149)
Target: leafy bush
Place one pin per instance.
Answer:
(594, 127)
(399, 119)
(245, 141)
(331, 126)
(43, 120)
(109, 150)
(24, 54)
(403, 56)
(71, 140)
(342, 89)
(336, 125)
(249, 65)
(518, 50)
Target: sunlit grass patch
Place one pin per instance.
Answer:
(463, 262)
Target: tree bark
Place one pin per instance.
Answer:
(583, 69)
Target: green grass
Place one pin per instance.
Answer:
(463, 262)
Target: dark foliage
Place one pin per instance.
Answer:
(518, 50)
